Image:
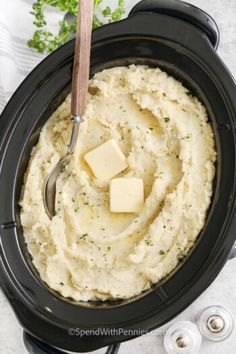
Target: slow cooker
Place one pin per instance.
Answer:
(182, 40)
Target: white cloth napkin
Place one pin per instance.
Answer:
(16, 58)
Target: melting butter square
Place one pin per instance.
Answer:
(107, 160)
(126, 195)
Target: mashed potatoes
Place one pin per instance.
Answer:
(86, 252)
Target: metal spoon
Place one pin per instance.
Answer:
(80, 80)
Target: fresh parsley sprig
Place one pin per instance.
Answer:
(45, 41)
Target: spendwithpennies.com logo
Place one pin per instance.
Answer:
(111, 332)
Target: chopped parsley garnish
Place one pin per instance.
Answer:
(161, 252)
(148, 242)
(83, 236)
(44, 40)
(186, 137)
(166, 119)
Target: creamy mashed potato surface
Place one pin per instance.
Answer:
(86, 252)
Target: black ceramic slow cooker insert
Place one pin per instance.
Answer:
(182, 40)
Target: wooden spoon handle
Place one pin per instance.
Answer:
(81, 66)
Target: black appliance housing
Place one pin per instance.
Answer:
(182, 40)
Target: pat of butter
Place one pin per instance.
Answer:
(107, 160)
(126, 195)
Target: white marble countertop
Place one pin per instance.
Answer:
(222, 291)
